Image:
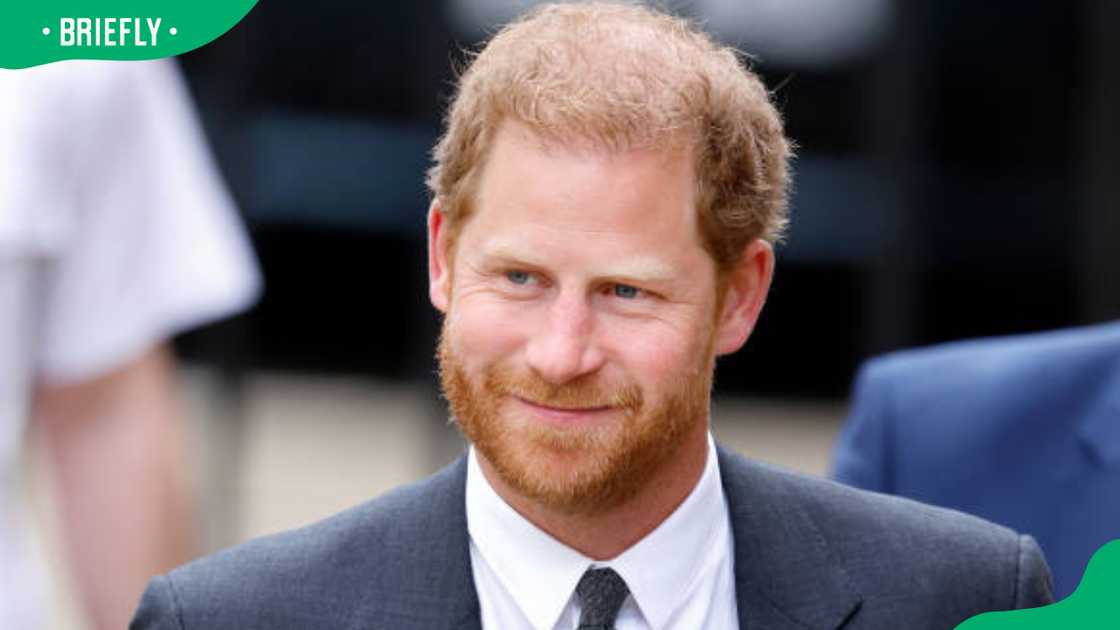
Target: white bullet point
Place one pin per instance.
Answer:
(46, 30)
(174, 31)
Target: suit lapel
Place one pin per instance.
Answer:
(785, 574)
(449, 564)
(433, 586)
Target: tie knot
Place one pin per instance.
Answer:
(601, 593)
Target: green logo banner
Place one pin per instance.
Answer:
(1095, 604)
(34, 32)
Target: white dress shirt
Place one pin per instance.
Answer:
(680, 575)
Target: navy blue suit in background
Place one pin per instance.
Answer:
(1024, 431)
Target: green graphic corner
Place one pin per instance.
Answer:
(37, 33)
(1093, 605)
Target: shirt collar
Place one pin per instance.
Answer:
(541, 573)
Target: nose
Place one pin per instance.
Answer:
(563, 348)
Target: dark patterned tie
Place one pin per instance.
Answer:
(601, 593)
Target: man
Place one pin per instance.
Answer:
(116, 232)
(605, 195)
(1023, 430)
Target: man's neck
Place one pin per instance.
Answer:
(606, 534)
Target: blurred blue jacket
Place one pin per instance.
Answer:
(1024, 431)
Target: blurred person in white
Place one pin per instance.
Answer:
(116, 232)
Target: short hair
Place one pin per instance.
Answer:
(625, 76)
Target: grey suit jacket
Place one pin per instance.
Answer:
(809, 555)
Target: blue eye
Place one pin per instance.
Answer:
(626, 291)
(518, 277)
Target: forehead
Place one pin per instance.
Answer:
(536, 195)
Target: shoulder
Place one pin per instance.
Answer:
(861, 523)
(993, 360)
(858, 522)
(379, 526)
(896, 554)
(972, 392)
(329, 571)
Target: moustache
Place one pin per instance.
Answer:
(581, 393)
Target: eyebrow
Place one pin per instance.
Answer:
(643, 269)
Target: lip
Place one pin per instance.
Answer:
(561, 416)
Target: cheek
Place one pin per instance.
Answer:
(657, 356)
(484, 332)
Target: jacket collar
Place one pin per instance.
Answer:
(434, 586)
(456, 575)
(786, 577)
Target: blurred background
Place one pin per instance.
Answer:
(956, 177)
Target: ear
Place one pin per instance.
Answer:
(439, 274)
(747, 286)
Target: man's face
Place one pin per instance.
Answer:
(577, 348)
